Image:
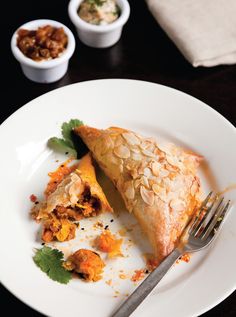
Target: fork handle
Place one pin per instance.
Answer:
(144, 289)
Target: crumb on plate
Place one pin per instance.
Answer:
(107, 242)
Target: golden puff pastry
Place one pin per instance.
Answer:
(158, 182)
(76, 196)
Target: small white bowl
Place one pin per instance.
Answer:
(46, 71)
(99, 36)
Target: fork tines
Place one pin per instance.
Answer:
(209, 217)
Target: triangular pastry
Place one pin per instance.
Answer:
(77, 195)
(158, 182)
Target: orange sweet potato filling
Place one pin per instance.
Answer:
(86, 263)
(58, 229)
(86, 206)
(108, 243)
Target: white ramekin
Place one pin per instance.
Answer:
(47, 71)
(99, 36)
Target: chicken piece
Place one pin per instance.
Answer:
(87, 264)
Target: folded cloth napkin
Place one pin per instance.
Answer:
(203, 30)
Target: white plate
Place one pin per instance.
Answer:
(189, 289)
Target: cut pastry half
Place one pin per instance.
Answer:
(77, 195)
(157, 181)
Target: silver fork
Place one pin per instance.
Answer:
(198, 234)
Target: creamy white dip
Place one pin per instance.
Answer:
(99, 12)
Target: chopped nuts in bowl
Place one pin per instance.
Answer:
(43, 48)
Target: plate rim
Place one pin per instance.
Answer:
(203, 104)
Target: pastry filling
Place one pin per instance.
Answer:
(86, 263)
(58, 229)
(71, 195)
(59, 225)
(86, 206)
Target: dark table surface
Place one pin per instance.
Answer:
(144, 52)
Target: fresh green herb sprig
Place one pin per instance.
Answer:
(67, 143)
(50, 261)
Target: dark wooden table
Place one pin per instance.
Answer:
(144, 52)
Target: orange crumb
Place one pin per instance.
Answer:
(108, 243)
(58, 175)
(98, 224)
(122, 276)
(185, 258)
(109, 282)
(138, 275)
(122, 232)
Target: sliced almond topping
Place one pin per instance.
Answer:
(144, 181)
(118, 140)
(148, 153)
(135, 150)
(163, 173)
(113, 159)
(165, 147)
(151, 147)
(173, 160)
(147, 172)
(74, 188)
(147, 196)
(131, 166)
(157, 152)
(129, 192)
(122, 151)
(155, 167)
(160, 192)
(156, 188)
(106, 144)
(142, 166)
(177, 205)
(136, 156)
(131, 138)
(145, 144)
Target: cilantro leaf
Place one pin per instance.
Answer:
(67, 128)
(68, 143)
(61, 145)
(50, 261)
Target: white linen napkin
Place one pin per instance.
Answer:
(203, 30)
